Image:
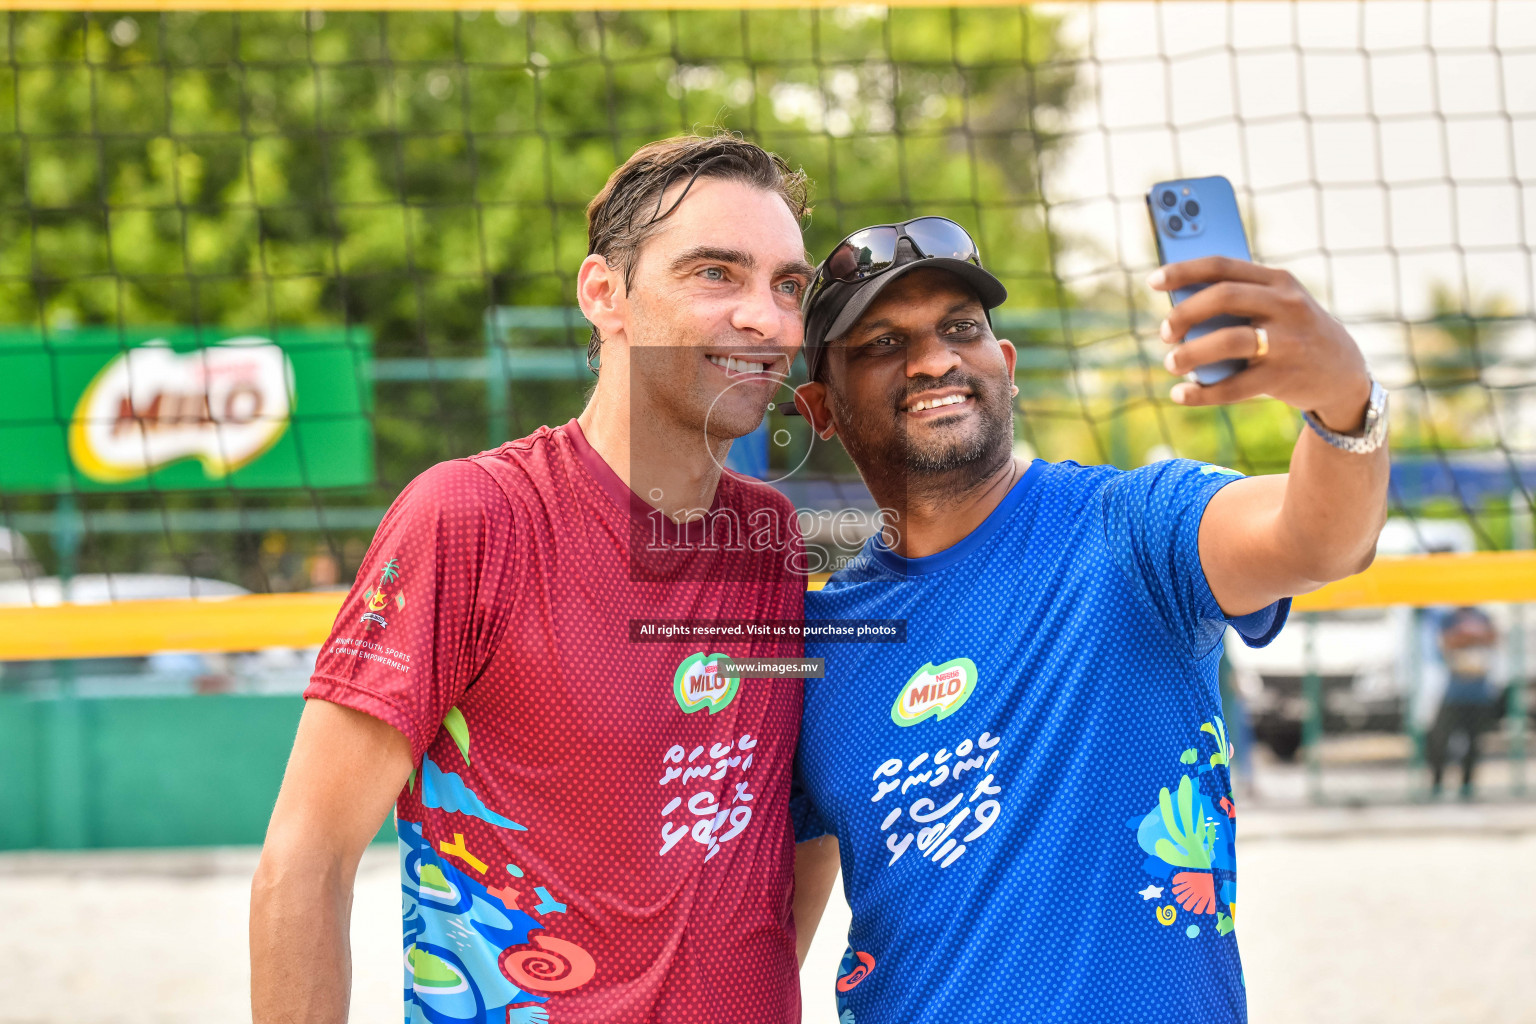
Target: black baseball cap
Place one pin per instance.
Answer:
(835, 304)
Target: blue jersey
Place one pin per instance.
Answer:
(1032, 794)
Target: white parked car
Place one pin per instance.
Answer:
(1377, 670)
(104, 588)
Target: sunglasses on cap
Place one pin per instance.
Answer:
(871, 251)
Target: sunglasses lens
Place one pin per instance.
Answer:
(863, 253)
(940, 237)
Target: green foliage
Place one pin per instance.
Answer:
(404, 171)
(1450, 354)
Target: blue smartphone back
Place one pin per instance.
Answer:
(1194, 217)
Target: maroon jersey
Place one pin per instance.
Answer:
(597, 829)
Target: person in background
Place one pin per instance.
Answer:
(1467, 638)
(322, 569)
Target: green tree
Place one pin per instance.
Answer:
(402, 172)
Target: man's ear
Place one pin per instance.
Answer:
(600, 293)
(1010, 358)
(811, 400)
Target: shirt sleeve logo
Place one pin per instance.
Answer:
(697, 683)
(934, 691)
(378, 598)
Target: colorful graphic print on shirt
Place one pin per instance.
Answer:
(472, 953)
(856, 966)
(1187, 838)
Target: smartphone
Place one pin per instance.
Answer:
(1194, 217)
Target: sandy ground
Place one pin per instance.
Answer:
(1406, 915)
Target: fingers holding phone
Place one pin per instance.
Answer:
(1292, 348)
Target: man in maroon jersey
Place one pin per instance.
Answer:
(591, 829)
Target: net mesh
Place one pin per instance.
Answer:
(393, 204)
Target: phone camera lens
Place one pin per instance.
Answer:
(1168, 198)
(1191, 208)
(1175, 223)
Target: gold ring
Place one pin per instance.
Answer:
(1263, 349)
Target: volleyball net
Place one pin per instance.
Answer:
(259, 267)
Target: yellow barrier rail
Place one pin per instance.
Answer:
(138, 628)
(1426, 580)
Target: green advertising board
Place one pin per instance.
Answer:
(101, 409)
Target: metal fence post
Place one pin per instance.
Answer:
(1312, 728)
(1517, 706)
(64, 747)
(497, 379)
(1412, 724)
(1521, 529)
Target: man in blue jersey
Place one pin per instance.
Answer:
(1030, 799)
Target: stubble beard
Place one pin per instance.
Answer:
(885, 450)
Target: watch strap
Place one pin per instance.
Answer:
(1371, 437)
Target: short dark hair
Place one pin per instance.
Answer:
(625, 213)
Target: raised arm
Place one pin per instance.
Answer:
(1264, 538)
(345, 771)
(816, 862)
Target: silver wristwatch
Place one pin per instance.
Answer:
(1373, 435)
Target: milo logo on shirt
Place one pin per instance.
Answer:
(697, 683)
(935, 691)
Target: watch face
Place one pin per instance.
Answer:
(1378, 403)
(1376, 417)
(1373, 432)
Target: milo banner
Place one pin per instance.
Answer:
(98, 409)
